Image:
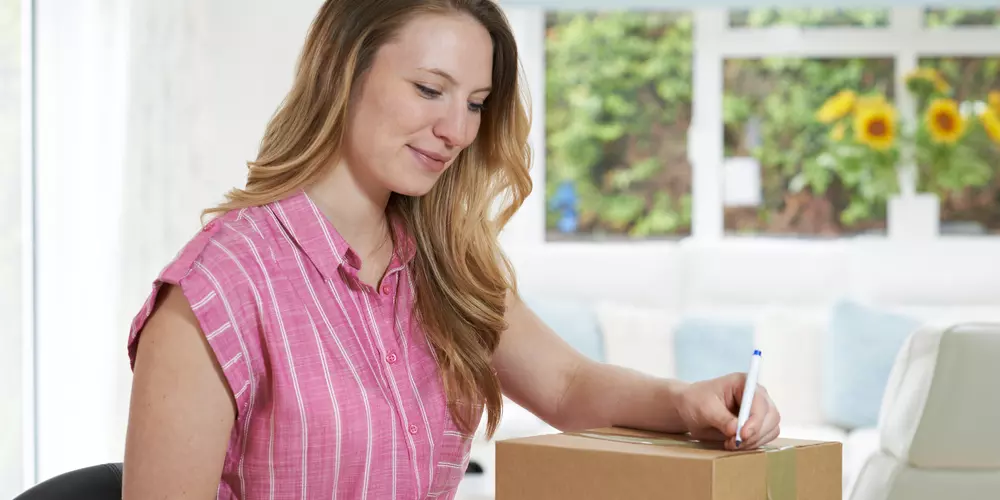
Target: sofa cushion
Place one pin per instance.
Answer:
(792, 343)
(640, 338)
(861, 347)
(573, 320)
(706, 348)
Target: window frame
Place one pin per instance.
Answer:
(905, 39)
(28, 398)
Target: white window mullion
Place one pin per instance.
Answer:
(745, 43)
(527, 226)
(705, 137)
(906, 23)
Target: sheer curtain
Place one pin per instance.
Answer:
(81, 50)
(147, 113)
(12, 240)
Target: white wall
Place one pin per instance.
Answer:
(205, 79)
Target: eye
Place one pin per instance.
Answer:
(476, 107)
(427, 91)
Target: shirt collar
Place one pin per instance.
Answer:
(324, 245)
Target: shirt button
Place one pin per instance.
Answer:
(413, 429)
(391, 358)
(386, 290)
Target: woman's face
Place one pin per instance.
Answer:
(419, 104)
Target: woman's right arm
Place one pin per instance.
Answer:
(182, 411)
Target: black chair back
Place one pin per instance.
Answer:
(99, 482)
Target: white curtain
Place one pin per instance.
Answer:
(147, 113)
(80, 92)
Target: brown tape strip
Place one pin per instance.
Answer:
(781, 469)
(781, 473)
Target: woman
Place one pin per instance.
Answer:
(344, 322)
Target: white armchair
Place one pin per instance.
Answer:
(939, 426)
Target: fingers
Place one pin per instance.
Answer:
(759, 410)
(747, 446)
(766, 426)
(715, 414)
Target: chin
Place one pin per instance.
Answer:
(413, 187)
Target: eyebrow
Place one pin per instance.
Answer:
(444, 74)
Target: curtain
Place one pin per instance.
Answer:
(147, 113)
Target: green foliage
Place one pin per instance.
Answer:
(813, 17)
(617, 85)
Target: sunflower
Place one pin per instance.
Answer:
(994, 101)
(929, 75)
(867, 101)
(945, 123)
(991, 122)
(875, 125)
(837, 106)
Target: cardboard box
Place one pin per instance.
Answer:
(624, 464)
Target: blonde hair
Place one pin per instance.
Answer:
(460, 273)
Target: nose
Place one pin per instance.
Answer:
(452, 126)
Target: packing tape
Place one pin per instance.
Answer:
(781, 469)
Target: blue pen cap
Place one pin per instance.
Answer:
(756, 352)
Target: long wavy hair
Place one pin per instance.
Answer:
(461, 275)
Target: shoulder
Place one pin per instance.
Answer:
(215, 274)
(217, 271)
(225, 248)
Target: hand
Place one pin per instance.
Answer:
(709, 409)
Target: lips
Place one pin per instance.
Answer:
(432, 161)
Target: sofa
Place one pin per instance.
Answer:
(937, 427)
(829, 315)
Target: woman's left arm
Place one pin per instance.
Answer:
(541, 372)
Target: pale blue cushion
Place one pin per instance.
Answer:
(707, 348)
(574, 321)
(861, 347)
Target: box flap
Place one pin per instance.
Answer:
(623, 440)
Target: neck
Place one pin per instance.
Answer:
(356, 210)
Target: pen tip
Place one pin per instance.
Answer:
(738, 443)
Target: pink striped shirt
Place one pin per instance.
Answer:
(337, 390)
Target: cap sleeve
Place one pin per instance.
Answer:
(221, 299)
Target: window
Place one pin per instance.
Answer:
(618, 108)
(771, 134)
(808, 18)
(11, 459)
(952, 18)
(773, 182)
(967, 180)
(625, 91)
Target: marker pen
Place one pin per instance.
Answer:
(748, 392)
